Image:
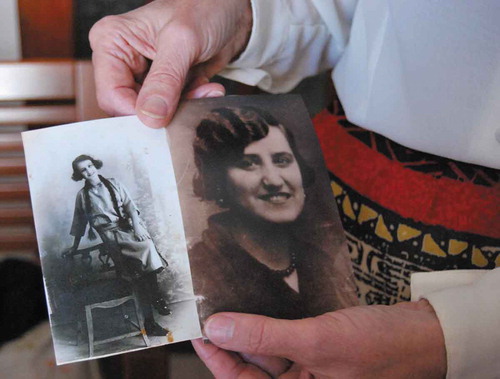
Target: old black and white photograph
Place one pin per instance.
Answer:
(110, 237)
(263, 236)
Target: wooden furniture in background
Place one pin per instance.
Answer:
(34, 94)
(59, 28)
(46, 28)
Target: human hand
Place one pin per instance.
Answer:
(140, 233)
(188, 41)
(399, 341)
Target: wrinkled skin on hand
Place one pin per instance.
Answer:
(398, 341)
(188, 41)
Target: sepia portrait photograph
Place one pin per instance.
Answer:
(262, 234)
(110, 237)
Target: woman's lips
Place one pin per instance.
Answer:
(275, 198)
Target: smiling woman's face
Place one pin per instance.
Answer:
(87, 169)
(266, 182)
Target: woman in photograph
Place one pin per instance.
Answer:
(251, 258)
(106, 207)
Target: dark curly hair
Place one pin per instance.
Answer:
(77, 175)
(221, 138)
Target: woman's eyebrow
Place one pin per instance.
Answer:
(287, 153)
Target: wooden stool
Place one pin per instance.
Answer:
(112, 304)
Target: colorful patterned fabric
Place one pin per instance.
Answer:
(405, 211)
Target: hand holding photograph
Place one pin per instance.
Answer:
(229, 209)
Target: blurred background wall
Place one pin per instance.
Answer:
(53, 28)
(10, 36)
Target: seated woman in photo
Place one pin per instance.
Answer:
(250, 259)
(105, 205)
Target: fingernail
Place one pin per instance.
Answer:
(155, 107)
(219, 329)
(215, 94)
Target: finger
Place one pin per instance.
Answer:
(116, 89)
(161, 90)
(420, 305)
(195, 80)
(263, 335)
(117, 67)
(296, 372)
(206, 90)
(274, 366)
(224, 364)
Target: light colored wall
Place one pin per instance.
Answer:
(10, 37)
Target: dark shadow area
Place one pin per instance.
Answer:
(22, 299)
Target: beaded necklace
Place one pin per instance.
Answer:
(290, 269)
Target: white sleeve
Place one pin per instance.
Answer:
(290, 40)
(467, 303)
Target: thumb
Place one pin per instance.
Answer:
(161, 90)
(291, 339)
